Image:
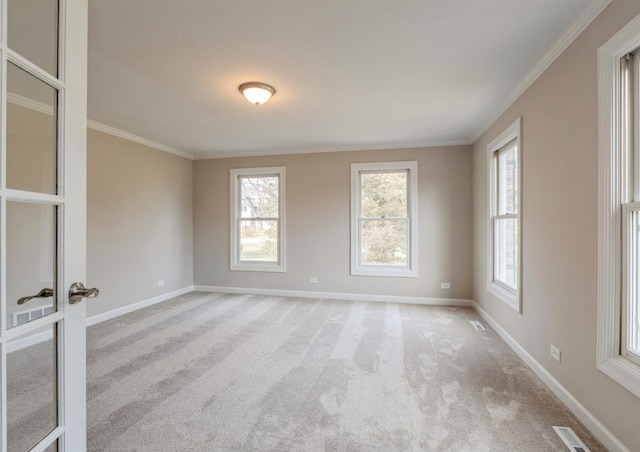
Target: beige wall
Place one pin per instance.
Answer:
(317, 224)
(139, 222)
(560, 221)
(139, 217)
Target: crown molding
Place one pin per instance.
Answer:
(29, 104)
(553, 52)
(137, 139)
(48, 110)
(329, 148)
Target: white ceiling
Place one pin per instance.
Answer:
(349, 74)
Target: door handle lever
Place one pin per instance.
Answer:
(44, 293)
(77, 292)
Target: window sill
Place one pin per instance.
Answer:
(384, 272)
(508, 297)
(624, 372)
(258, 267)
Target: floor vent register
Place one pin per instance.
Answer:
(570, 438)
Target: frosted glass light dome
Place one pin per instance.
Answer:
(257, 92)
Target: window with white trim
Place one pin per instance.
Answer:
(619, 208)
(384, 219)
(257, 213)
(504, 241)
(630, 328)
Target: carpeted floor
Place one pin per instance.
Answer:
(214, 372)
(225, 372)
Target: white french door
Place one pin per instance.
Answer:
(43, 86)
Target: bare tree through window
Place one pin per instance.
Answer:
(259, 218)
(384, 228)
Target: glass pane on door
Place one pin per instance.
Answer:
(31, 133)
(31, 262)
(52, 448)
(32, 411)
(33, 31)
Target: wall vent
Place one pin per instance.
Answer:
(27, 316)
(572, 441)
(477, 325)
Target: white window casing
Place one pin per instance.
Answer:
(619, 207)
(508, 290)
(243, 217)
(406, 222)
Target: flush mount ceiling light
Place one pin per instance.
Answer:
(257, 92)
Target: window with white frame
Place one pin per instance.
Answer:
(257, 213)
(384, 219)
(630, 141)
(504, 241)
(618, 343)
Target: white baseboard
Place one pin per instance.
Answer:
(589, 420)
(135, 306)
(337, 296)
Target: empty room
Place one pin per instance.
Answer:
(319, 226)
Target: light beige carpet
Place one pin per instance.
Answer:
(213, 372)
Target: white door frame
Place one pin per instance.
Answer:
(71, 199)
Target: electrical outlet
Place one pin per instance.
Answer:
(313, 280)
(445, 285)
(555, 352)
(161, 282)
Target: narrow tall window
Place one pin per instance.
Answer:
(619, 207)
(504, 216)
(257, 209)
(630, 118)
(384, 219)
(505, 220)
